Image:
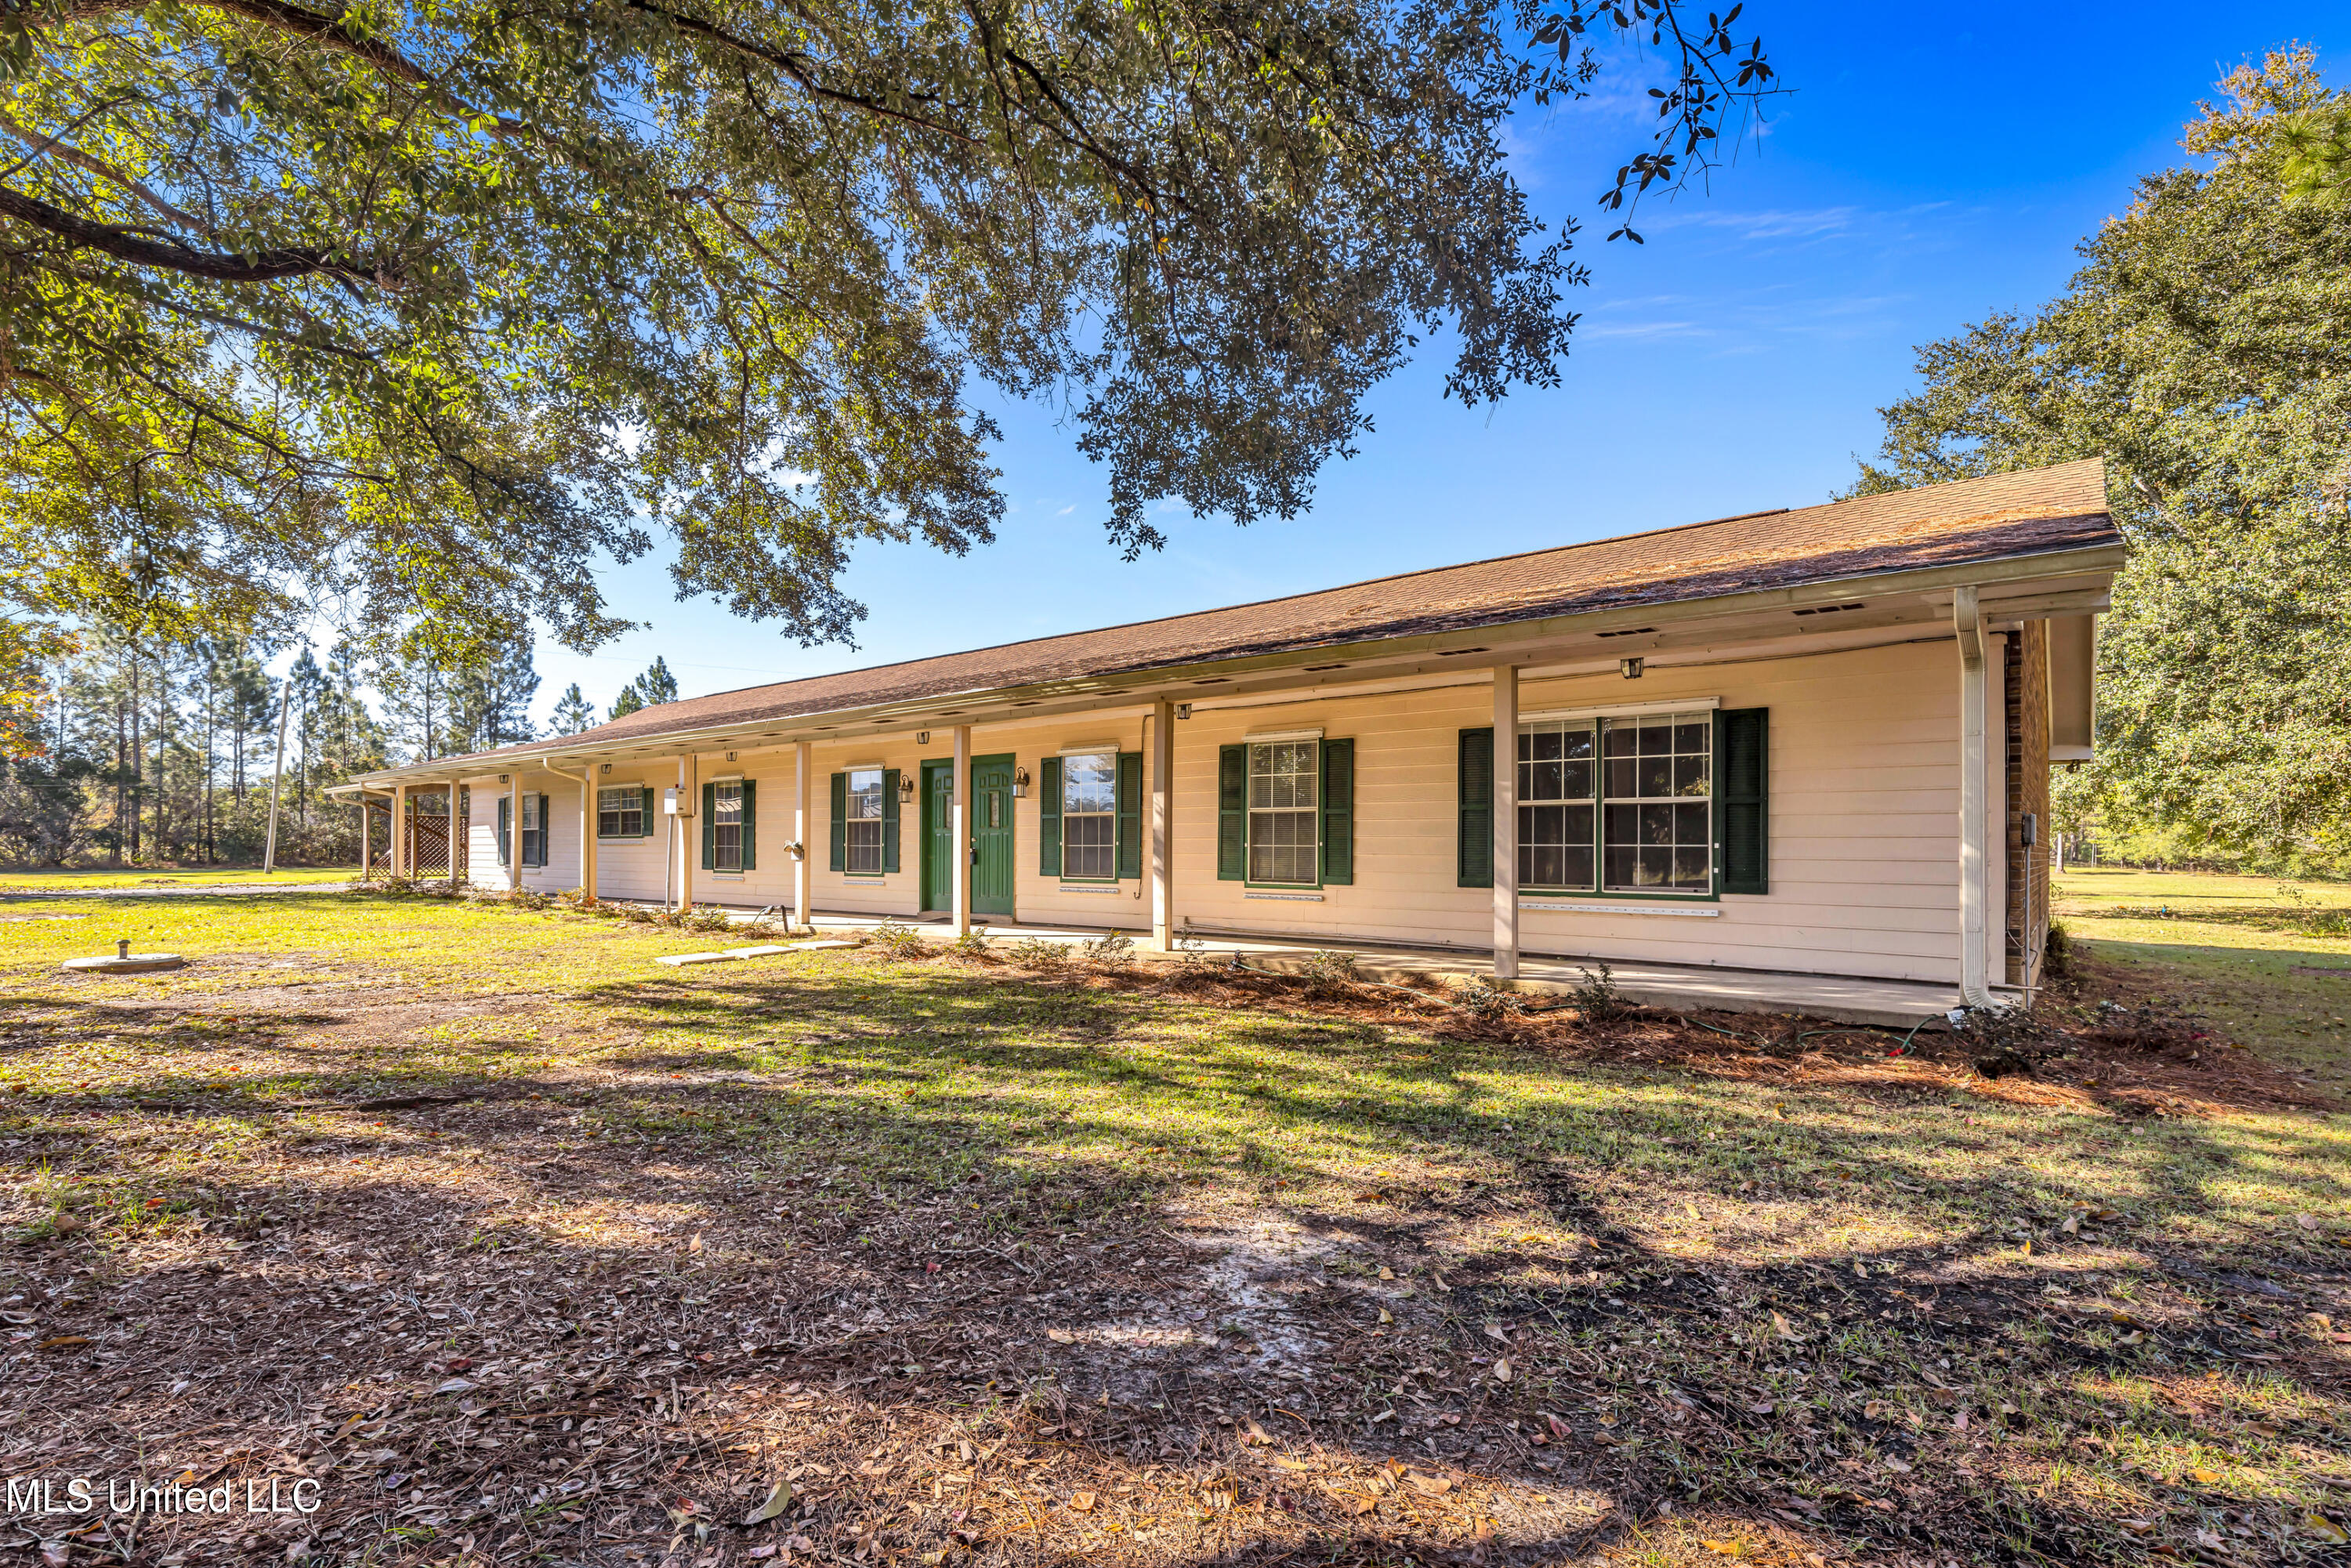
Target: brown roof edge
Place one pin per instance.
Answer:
(2004, 518)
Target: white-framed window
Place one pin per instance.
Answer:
(863, 854)
(620, 812)
(534, 830)
(727, 826)
(1656, 806)
(1284, 800)
(1090, 816)
(1558, 780)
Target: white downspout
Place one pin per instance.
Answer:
(1967, 620)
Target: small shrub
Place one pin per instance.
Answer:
(641, 915)
(2059, 958)
(896, 939)
(706, 917)
(972, 944)
(1484, 1000)
(1037, 953)
(1111, 949)
(1597, 998)
(1328, 972)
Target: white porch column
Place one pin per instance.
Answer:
(689, 832)
(1966, 622)
(959, 836)
(460, 872)
(367, 831)
(803, 825)
(1161, 829)
(1506, 822)
(514, 827)
(587, 834)
(399, 849)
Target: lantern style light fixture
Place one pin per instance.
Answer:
(905, 788)
(1631, 668)
(1019, 783)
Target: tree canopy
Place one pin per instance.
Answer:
(415, 310)
(2205, 349)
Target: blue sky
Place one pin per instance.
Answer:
(1937, 162)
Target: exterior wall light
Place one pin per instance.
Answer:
(1182, 710)
(905, 788)
(1631, 668)
(1019, 783)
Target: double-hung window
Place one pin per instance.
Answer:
(1284, 797)
(1658, 833)
(534, 829)
(1618, 805)
(727, 826)
(1090, 816)
(620, 813)
(1557, 779)
(862, 819)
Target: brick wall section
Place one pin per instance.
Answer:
(2025, 686)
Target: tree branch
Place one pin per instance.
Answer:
(261, 266)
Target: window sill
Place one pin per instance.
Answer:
(1285, 895)
(1703, 911)
(1085, 887)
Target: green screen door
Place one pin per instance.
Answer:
(938, 830)
(992, 835)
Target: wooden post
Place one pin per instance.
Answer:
(1506, 822)
(959, 837)
(1967, 620)
(803, 828)
(1162, 829)
(367, 831)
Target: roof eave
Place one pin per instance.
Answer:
(1134, 684)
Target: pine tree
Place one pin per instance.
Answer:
(573, 712)
(653, 688)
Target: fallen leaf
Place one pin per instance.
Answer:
(1386, 1272)
(1082, 1502)
(2205, 1478)
(1494, 1332)
(1386, 1316)
(1434, 1486)
(2307, 1221)
(778, 1500)
(63, 1341)
(1897, 1467)
(1729, 1548)
(2325, 1529)
(1061, 1336)
(1785, 1329)
(1503, 1369)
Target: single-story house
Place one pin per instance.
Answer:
(1813, 741)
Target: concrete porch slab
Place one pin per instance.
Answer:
(1839, 998)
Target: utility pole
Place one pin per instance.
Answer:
(277, 776)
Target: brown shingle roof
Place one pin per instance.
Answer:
(1973, 520)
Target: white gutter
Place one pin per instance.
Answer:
(1967, 620)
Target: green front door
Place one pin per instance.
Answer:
(938, 830)
(992, 835)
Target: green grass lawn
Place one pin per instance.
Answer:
(43, 879)
(517, 1239)
(2270, 959)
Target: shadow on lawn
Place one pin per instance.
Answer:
(838, 1225)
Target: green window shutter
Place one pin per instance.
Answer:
(1048, 817)
(839, 821)
(750, 822)
(1475, 856)
(506, 828)
(645, 820)
(889, 819)
(709, 827)
(1742, 777)
(546, 826)
(1232, 813)
(1339, 812)
(1129, 814)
